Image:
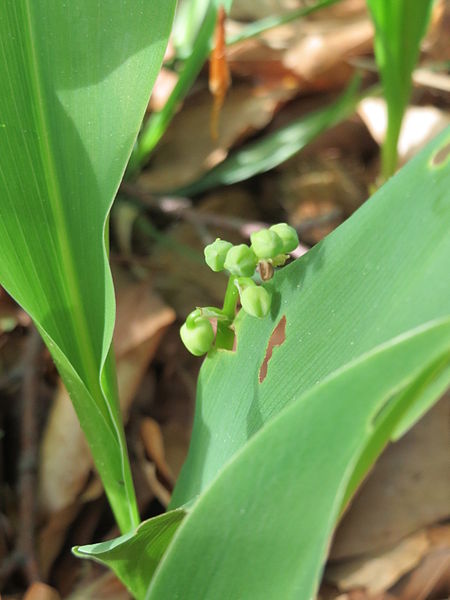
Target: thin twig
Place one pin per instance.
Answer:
(182, 208)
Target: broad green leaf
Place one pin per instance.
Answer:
(263, 527)
(381, 273)
(273, 149)
(135, 555)
(399, 29)
(76, 77)
(273, 463)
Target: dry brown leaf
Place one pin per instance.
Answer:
(153, 441)
(432, 576)
(158, 489)
(407, 490)
(187, 150)
(378, 572)
(249, 10)
(437, 40)
(53, 534)
(309, 54)
(176, 441)
(421, 124)
(66, 462)
(325, 46)
(106, 587)
(41, 591)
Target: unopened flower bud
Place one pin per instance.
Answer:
(288, 236)
(241, 261)
(266, 243)
(197, 336)
(216, 253)
(256, 301)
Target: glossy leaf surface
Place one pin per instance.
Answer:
(399, 29)
(135, 556)
(381, 273)
(367, 349)
(263, 527)
(76, 77)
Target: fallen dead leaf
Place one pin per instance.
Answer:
(106, 587)
(421, 124)
(41, 591)
(378, 572)
(432, 576)
(407, 490)
(66, 463)
(309, 54)
(153, 441)
(187, 150)
(249, 10)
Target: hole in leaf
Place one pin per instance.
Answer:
(276, 339)
(441, 156)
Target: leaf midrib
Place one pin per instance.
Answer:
(70, 286)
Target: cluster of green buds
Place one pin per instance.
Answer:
(269, 249)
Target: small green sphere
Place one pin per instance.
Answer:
(216, 253)
(256, 301)
(266, 243)
(199, 338)
(288, 236)
(241, 261)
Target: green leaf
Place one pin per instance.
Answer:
(156, 125)
(399, 29)
(135, 556)
(381, 273)
(273, 149)
(262, 529)
(187, 24)
(262, 25)
(76, 79)
(367, 348)
(193, 31)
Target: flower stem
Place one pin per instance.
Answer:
(225, 335)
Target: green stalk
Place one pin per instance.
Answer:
(389, 150)
(263, 25)
(225, 335)
(156, 125)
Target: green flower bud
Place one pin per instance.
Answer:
(241, 261)
(288, 236)
(216, 253)
(256, 301)
(266, 243)
(197, 336)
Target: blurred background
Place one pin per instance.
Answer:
(278, 129)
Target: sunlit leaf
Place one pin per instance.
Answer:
(399, 29)
(135, 556)
(263, 527)
(76, 78)
(367, 349)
